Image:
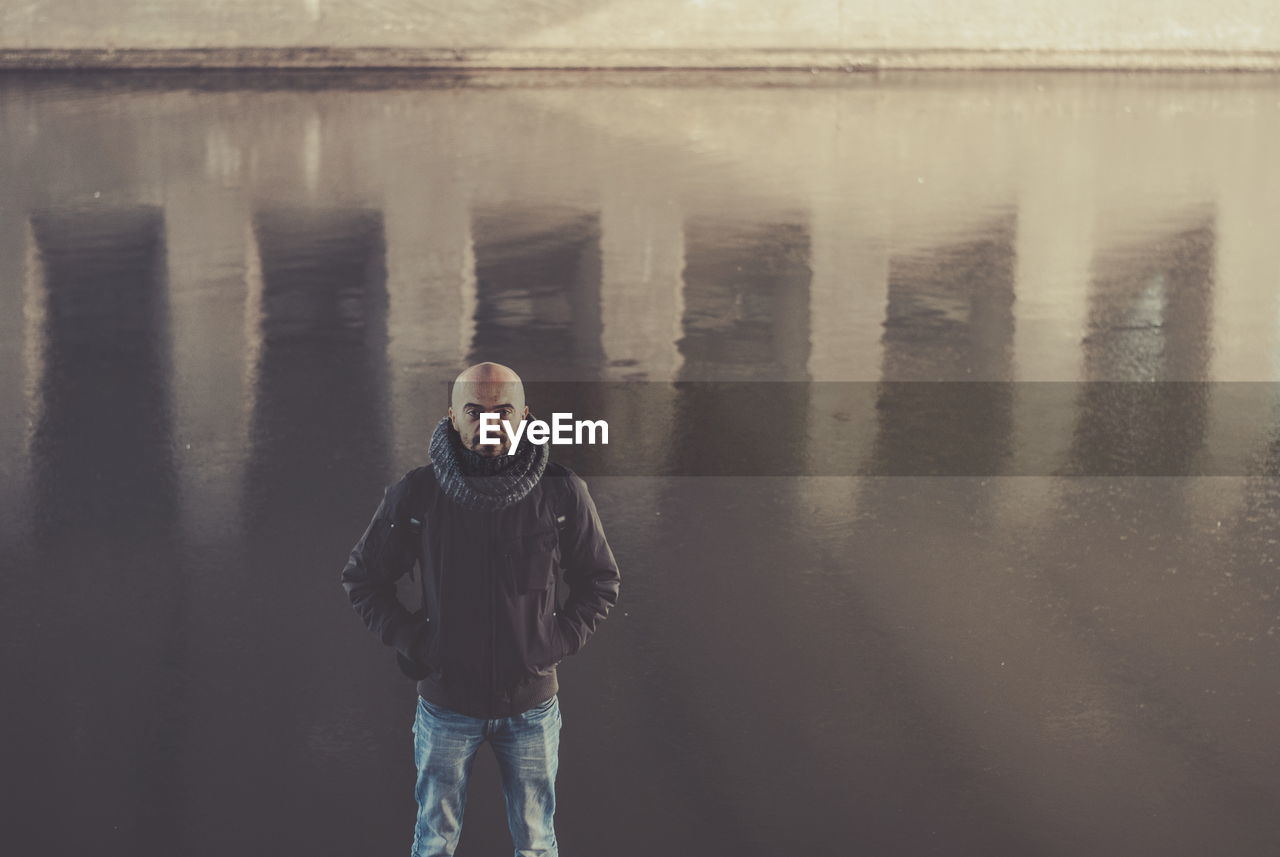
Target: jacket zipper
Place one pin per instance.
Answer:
(493, 647)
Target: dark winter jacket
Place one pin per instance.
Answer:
(490, 633)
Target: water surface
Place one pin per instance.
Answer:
(230, 303)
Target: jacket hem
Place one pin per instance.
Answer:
(519, 699)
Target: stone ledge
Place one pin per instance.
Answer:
(851, 60)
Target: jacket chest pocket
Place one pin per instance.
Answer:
(531, 560)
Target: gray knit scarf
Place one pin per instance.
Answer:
(480, 482)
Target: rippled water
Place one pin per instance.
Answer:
(230, 304)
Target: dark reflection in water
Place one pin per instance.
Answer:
(318, 431)
(949, 318)
(104, 570)
(104, 404)
(538, 290)
(746, 299)
(949, 315)
(1150, 320)
(888, 663)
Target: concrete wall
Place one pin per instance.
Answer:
(644, 33)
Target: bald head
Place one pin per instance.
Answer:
(488, 373)
(486, 388)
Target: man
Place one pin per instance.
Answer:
(490, 533)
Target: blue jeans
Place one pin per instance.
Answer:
(526, 746)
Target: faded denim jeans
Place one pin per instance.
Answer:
(526, 746)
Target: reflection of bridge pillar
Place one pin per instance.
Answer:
(1149, 320)
(746, 318)
(538, 291)
(1149, 541)
(317, 465)
(746, 313)
(949, 318)
(105, 333)
(949, 309)
(105, 524)
(746, 298)
(431, 287)
(1191, 289)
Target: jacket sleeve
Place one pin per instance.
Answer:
(383, 555)
(590, 570)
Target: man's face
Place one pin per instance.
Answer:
(472, 399)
